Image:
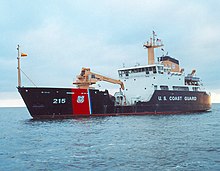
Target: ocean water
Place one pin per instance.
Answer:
(161, 142)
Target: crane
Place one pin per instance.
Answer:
(87, 78)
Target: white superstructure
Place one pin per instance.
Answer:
(140, 82)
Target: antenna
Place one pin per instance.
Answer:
(19, 67)
(151, 45)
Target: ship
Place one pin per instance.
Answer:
(157, 88)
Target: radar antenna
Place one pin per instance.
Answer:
(150, 45)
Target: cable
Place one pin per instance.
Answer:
(28, 78)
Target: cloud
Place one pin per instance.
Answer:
(60, 37)
(207, 37)
(59, 52)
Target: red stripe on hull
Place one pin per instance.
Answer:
(80, 102)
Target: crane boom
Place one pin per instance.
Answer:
(87, 78)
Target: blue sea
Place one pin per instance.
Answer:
(160, 142)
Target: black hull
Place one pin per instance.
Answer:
(50, 103)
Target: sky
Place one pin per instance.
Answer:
(62, 36)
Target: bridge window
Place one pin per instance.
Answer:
(147, 70)
(120, 73)
(154, 70)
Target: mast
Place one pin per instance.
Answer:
(150, 45)
(19, 67)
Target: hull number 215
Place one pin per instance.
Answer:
(59, 101)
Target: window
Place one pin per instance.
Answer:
(154, 70)
(143, 69)
(163, 87)
(160, 68)
(120, 73)
(195, 88)
(147, 70)
(179, 88)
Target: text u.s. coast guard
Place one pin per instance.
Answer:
(177, 98)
